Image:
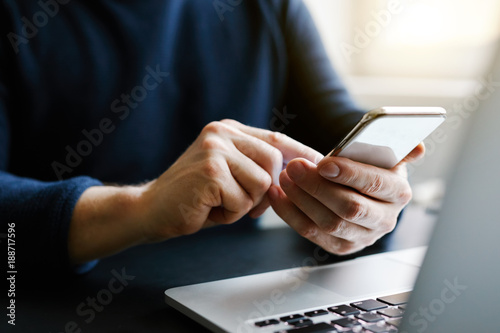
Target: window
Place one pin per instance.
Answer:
(444, 39)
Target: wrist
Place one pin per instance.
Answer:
(106, 220)
(128, 208)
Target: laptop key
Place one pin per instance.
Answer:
(267, 322)
(396, 299)
(301, 322)
(316, 313)
(380, 329)
(293, 317)
(316, 328)
(391, 312)
(394, 321)
(344, 310)
(346, 322)
(369, 317)
(369, 305)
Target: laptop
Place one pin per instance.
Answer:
(453, 285)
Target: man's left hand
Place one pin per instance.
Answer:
(342, 205)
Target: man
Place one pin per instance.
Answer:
(104, 92)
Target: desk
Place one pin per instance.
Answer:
(136, 304)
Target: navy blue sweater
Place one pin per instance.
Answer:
(114, 91)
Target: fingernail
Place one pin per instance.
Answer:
(273, 193)
(296, 170)
(330, 170)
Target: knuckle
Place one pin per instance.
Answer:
(213, 127)
(247, 205)
(263, 183)
(243, 207)
(336, 227)
(405, 195)
(349, 175)
(276, 156)
(374, 186)
(211, 192)
(250, 149)
(216, 127)
(387, 226)
(307, 231)
(273, 156)
(230, 122)
(345, 247)
(372, 241)
(276, 137)
(354, 210)
(211, 142)
(211, 169)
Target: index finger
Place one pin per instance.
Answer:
(378, 183)
(289, 147)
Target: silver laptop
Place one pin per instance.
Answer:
(458, 283)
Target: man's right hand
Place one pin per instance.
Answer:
(222, 176)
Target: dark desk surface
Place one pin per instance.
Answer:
(139, 305)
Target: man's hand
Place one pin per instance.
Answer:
(225, 174)
(222, 176)
(342, 205)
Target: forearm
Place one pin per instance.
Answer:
(315, 92)
(105, 220)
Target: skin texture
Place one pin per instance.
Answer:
(342, 205)
(232, 170)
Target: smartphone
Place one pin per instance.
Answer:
(384, 136)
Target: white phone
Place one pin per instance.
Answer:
(384, 136)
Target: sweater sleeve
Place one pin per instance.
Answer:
(322, 108)
(39, 211)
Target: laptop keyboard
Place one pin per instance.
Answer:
(381, 315)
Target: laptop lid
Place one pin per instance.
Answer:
(458, 288)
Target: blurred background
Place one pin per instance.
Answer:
(415, 53)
